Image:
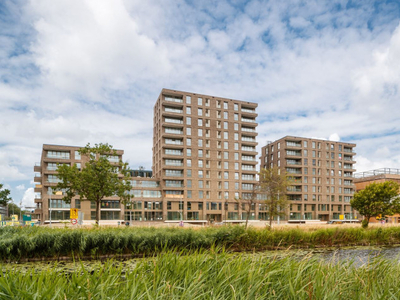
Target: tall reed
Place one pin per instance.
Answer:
(207, 275)
(17, 243)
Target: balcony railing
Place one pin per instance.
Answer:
(172, 99)
(248, 110)
(173, 110)
(248, 120)
(244, 148)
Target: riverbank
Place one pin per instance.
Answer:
(30, 243)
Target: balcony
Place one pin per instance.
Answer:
(293, 162)
(296, 189)
(248, 139)
(247, 120)
(173, 99)
(292, 144)
(173, 142)
(293, 153)
(248, 168)
(172, 111)
(349, 150)
(37, 178)
(248, 129)
(37, 167)
(173, 122)
(248, 112)
(172, 131)
(248, 149)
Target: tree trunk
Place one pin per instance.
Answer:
(98, 202)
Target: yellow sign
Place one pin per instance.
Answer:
(0, 217)
(73, 213)
(14, 217)
(341, 217)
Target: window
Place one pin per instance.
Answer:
(77, 155)
(188, 100)
(200, 173)
(199, 101)
(225, 115)
(200, 143)
(305, 144)
(199, 132)
(226, 165)
(236, 126)
(225, 105)
(236, 117)
(189, 194)
(200, 122)
(200, 163)
(225, 135)
(226, 154)
(189, 173)
(188, 131)
(225, 125)
(188, 120)
(189, 162)
(200, 112)
(226, 145)
(188, 110)
(235, 106)
(188, 142)
(201, 194)
(200, 153)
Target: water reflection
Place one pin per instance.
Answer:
(360, 256)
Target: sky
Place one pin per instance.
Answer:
(79, 71)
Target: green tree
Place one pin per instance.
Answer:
(273, 188)
(99, 178)
(377, 199)
(4, 196)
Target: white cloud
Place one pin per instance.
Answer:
(28, 199)
(20, 187)
(334, 137)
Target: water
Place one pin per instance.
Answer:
(361, 255)
(357, 256)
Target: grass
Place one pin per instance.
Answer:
(207, 275)
(40, 242)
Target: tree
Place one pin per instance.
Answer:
(4, 196)
(249, 200)
(99, 178)
(377, 199)
(273, 188)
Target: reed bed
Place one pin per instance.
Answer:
(207, 275)
(40, 242)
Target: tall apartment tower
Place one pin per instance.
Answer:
(322, 173)
(204, 154)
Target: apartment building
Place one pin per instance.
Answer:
(204, 162)
(50, 206)
(204, 155)
(322, 175)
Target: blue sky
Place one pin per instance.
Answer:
(79, 71)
